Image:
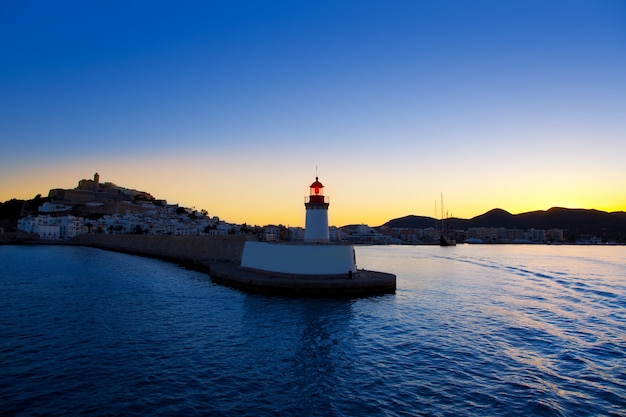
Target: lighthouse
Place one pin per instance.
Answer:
(304, 269)
(316, 227)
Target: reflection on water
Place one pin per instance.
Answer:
(471, 330)
(310, 340)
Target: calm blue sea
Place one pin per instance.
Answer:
(477, 330)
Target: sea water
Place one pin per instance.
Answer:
(473, 330)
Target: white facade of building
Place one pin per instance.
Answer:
(53, 228)
(53, 208)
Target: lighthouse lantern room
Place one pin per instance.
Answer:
(316, 228)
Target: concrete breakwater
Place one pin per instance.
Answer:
(198, 251)
(221, 256)
(17, 237)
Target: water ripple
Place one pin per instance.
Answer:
(478, 330)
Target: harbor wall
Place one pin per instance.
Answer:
(17, 237)
(199, 251)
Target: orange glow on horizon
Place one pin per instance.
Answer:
(231, 193)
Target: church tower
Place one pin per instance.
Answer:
(316, 227)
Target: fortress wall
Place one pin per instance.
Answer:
(76, 196)
(197, 250)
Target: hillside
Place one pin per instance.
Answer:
(91, 199)
(12, 210)
(579, 220)
(574, 221)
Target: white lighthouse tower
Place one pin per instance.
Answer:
(306, 268)
(309, 258)
(316, 227)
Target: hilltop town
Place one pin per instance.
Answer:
(106, 208)
(95, 207)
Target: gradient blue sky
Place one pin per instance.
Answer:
(230, 106)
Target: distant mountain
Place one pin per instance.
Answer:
(411, 222)
(575, 221)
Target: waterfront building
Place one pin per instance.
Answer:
(367, 235)
(485, 234)
(537, 235)
(337, 235)
(53, 228)
(296, 233)
(554, 235)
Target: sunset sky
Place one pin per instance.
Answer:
(230, 106)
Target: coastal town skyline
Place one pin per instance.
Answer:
(230, 108)
(93, 197)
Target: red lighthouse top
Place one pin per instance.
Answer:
(316, 196)
(316, 188)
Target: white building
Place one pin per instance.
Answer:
(53, 208)
(53, 228)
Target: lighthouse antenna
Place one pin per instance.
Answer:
(315, 172)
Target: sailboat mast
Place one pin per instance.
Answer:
(442, 212)
(442, 206)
